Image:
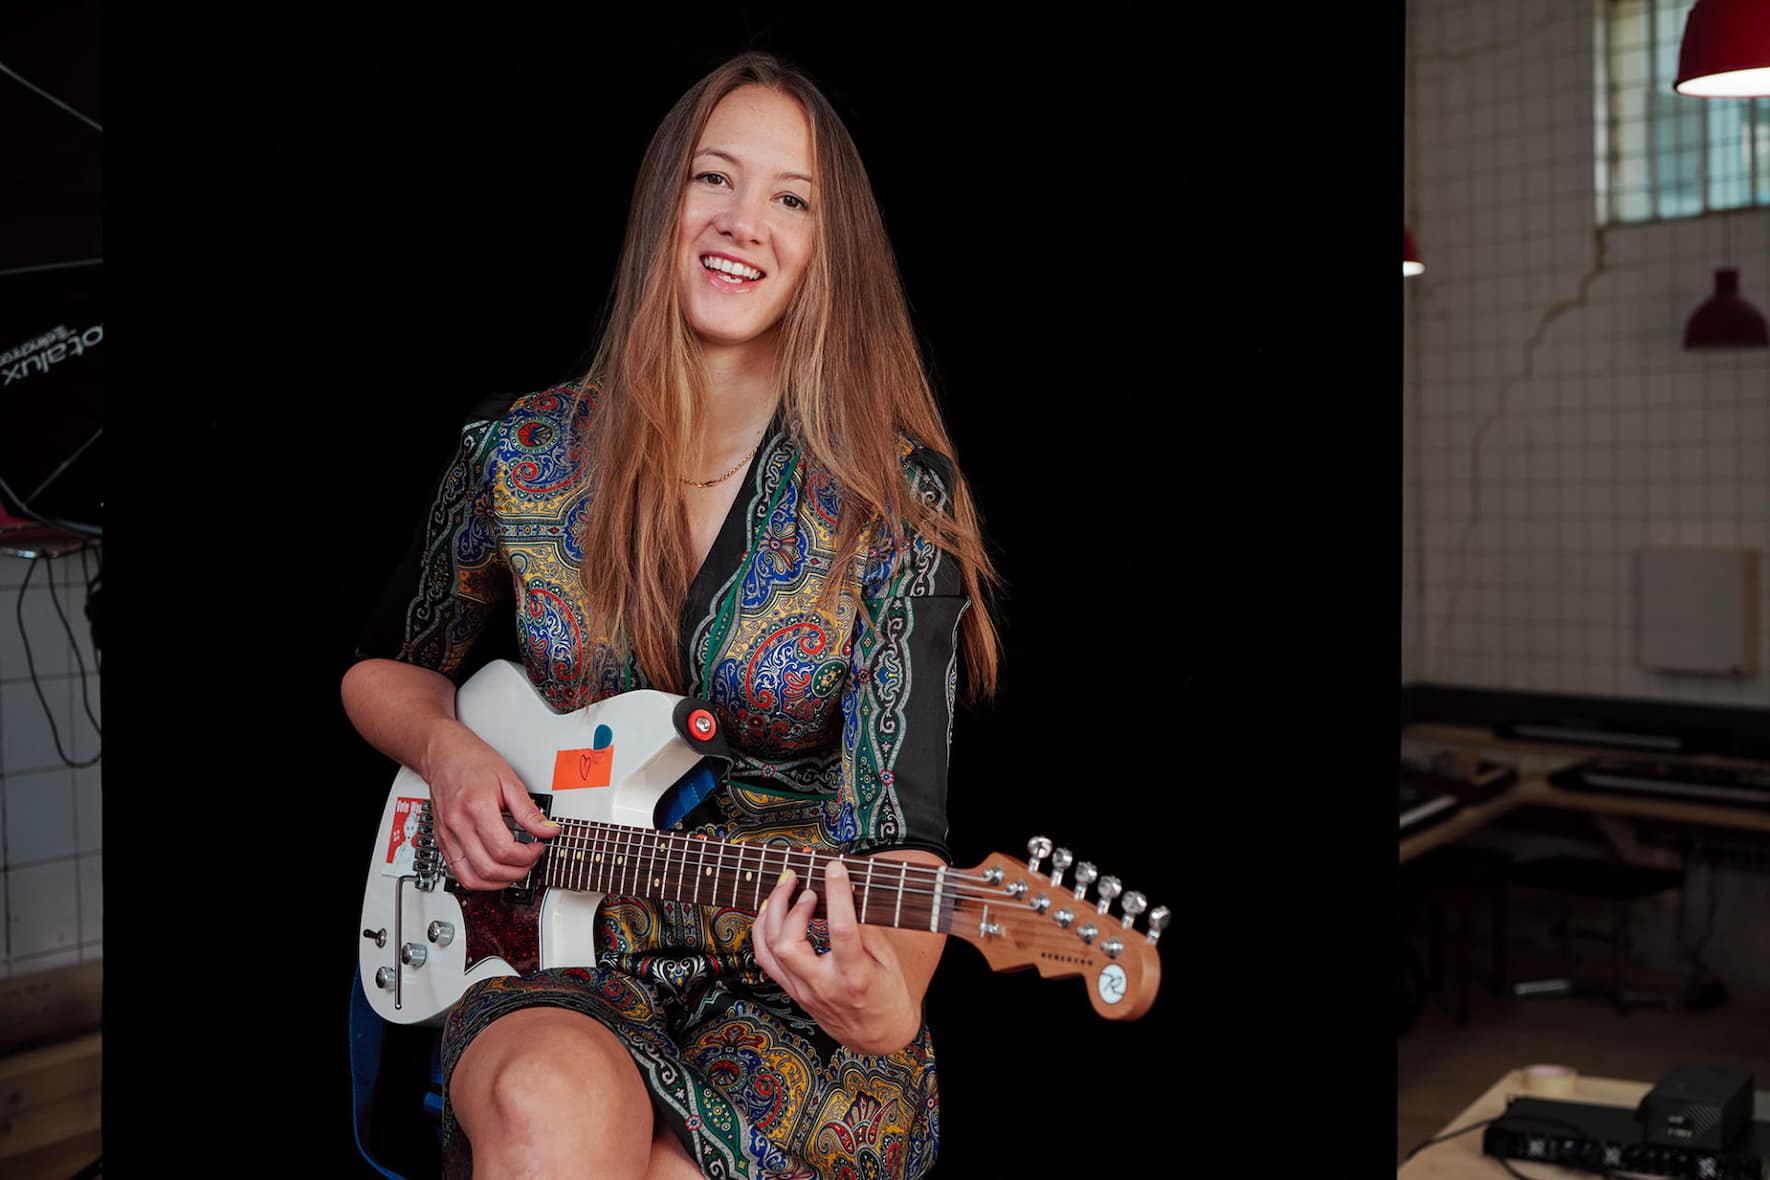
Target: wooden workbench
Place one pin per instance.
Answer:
(1535, 761)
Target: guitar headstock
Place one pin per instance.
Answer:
(1021, 916)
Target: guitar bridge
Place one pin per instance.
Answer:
(426, 859)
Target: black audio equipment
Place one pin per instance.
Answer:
(1697, 1106)
(1592, 1138)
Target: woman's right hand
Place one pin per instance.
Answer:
(471, 787)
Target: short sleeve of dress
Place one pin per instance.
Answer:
(898, 708)
(449, 588)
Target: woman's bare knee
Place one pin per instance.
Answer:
(546, 1084)
(669, 1159)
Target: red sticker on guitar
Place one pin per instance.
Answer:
(573, 769)
(401, 834)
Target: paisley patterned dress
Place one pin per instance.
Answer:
(841, 720)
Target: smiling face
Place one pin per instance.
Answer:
(748, 220)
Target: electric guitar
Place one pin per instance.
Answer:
(628, 766)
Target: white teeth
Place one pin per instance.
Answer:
(731, 268)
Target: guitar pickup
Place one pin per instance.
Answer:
(519, 893)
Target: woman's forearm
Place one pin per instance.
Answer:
(399, 708)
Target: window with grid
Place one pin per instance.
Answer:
(1662, 154)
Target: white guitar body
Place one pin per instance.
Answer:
(413, 957)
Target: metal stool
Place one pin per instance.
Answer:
(1619, 883)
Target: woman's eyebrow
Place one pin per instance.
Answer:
(734, 160)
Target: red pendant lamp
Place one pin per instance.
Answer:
(1410, 255)
(1725, 320)
(1725, 52)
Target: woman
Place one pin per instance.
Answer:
(819, 600)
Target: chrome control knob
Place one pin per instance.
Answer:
(1060, 861)
(1086, 875)
(1038, 848)
(1158, 921)
(1109, 889)
(441, 933)
(1134, 903)
(384, 978)
(412, 954)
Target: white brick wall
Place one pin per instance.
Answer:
(1554, 422)
(51, 837)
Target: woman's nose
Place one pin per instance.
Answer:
(742, 218)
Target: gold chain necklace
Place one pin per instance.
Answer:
(707, 483)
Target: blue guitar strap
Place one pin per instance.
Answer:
(688, 794)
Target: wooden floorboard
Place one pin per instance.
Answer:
(1441, 1068)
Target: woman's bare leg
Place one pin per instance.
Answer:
(669, 1160)
(548, 1092)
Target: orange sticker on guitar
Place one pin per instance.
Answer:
(582, 768)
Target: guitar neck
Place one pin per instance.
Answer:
(669, 866)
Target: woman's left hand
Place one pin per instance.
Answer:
(858, 992)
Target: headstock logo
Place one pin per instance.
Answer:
(1112, 983)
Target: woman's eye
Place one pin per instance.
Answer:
(794, 202)
(709, 177)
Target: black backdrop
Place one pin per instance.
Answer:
(1154, 270)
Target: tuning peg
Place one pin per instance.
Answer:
(1158, 919)
(1109, 889)
(1086, 874)
(1039, 848)
(1088, 932)
(1133, 904)
(1060, 860)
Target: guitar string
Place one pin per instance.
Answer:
(616, 882)
(632, 842)
(1029, 933)
(625, 840)
(682, 848)
(593, 830)
(594, 836)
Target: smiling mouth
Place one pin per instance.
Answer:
(734, 273)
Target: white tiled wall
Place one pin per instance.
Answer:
(1554, 423)
(51, 838)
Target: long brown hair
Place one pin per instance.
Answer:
(852, 381)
